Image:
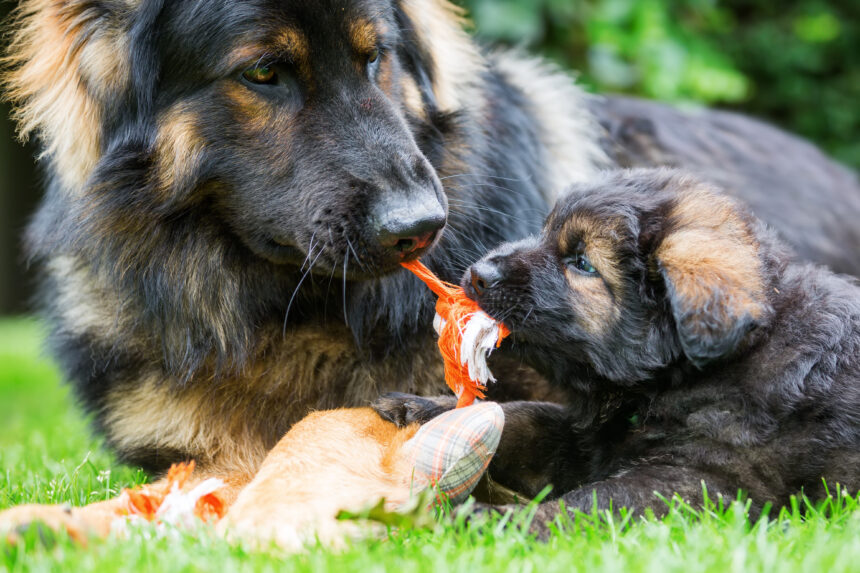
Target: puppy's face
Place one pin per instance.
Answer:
(630, 275)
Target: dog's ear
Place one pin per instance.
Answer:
(443, 57)
(68, 65)
(709, 260)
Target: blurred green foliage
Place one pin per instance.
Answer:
(793, 63)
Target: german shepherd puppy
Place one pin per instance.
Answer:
(231, 186)
(694, 349)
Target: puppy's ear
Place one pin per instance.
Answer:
(710, 263)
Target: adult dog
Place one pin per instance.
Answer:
(231, 186)
(694, 349)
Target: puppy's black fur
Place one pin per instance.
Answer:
(693, 348)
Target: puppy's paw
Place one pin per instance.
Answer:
(484, 515)
(405, 409)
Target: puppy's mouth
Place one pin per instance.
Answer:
(494, 311)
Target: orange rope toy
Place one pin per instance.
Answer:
(167, 502)
(467, 335)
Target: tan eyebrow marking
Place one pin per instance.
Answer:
(295, 43)
(362, 35)
(288, 41)
(243, 54)
(599, 246)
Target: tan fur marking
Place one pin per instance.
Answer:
(104, 63)
(598, 238)
(594, 296)
(179, 146)
(457, 64)
(411, 95)
(595, 308)
(153, 414)
(46, 81)
(295, 43)
(251, 112)
(243, 54)
(713, 250)
(385, 78)
(231, 424)
(362, 36)
(87, 305)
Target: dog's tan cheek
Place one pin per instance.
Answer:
(593, 305)
(250, 113)
(179, 148)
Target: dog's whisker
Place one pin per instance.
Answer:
(296, 291)
(484, 175)
(310, 250)
(345, 266)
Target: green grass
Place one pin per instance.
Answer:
(48, 456)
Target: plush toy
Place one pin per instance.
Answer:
(449, 453)
(467, 336)
(404, 469)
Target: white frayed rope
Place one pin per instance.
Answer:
(478, 338)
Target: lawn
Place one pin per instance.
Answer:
(47, 455)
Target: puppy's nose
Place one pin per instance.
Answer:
(485, 276)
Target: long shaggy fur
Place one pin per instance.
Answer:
(209, 268)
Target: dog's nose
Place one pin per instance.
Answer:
(485, 275)
(410, 230)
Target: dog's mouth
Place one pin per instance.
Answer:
(282, 252)
(322, 260)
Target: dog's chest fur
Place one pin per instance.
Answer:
(240, 416)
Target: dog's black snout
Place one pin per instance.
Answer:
(484, 276)
(410, 229)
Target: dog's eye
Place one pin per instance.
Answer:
(581, 262)
(261, 75)
(373, 59)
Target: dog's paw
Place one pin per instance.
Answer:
(405, 409)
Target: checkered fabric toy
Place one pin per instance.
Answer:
(452, 451)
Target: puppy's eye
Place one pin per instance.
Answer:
(373, 56)
(264, 75)
(581, 262)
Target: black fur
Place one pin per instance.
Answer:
(217, 259)
(759, 394)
